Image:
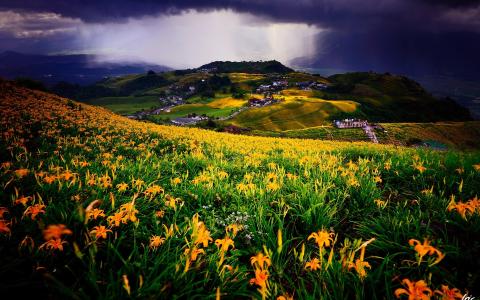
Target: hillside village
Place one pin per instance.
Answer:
(177, 94)
(369, 129)
(267, 97)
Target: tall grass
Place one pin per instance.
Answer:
(193, 189)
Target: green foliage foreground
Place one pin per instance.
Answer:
(97, 206)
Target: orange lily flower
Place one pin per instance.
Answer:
(21, 172)
(49, 179)
(234, 229)
(322, 238)
(424, 249)
(285, 296)
(23, 200)
(462, 208)
(261, 280)
(260, 261)
(34, 210)
(360, 266)
(261, 277)
(100, 232)
(193, 253)
(55, 232)
(126, 284)
(420, 168)
(448, 293)
(95, 213)
(53, 244)
(156, 241)
(129, 212)
(313, 265)
(154, 190)
(200, 234)
(116, 219)
(84, 164)
(416, 290)
(176, 181)
(224, 244)
(4, 227)
(67, 175)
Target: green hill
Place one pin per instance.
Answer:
(392, 98)
(292, 114)
(271, 66)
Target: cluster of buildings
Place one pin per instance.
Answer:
(311, 85)
(275, 86)
(189, 120)
(279, 85)
(267, 100)
(177, 93)
(172, 100)
(207, 70)
(350, 123)
(358, 123)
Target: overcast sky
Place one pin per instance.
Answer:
(440, 36)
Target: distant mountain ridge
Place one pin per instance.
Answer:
(78, 68)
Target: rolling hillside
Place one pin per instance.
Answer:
(392, 98)
(440, 135)
(292, 114)
(375, 97)
(95, 205)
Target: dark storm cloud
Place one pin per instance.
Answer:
(313, 11)
(429, 35)
(352, 15)
(454, 3)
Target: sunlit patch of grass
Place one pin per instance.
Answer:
(227, 102)
(242, 77)
(295, 112)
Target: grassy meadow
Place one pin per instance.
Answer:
(293, 113)
(451, 135)
(297, 109)
(128, 104)
(94, 205)
(322, 132)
